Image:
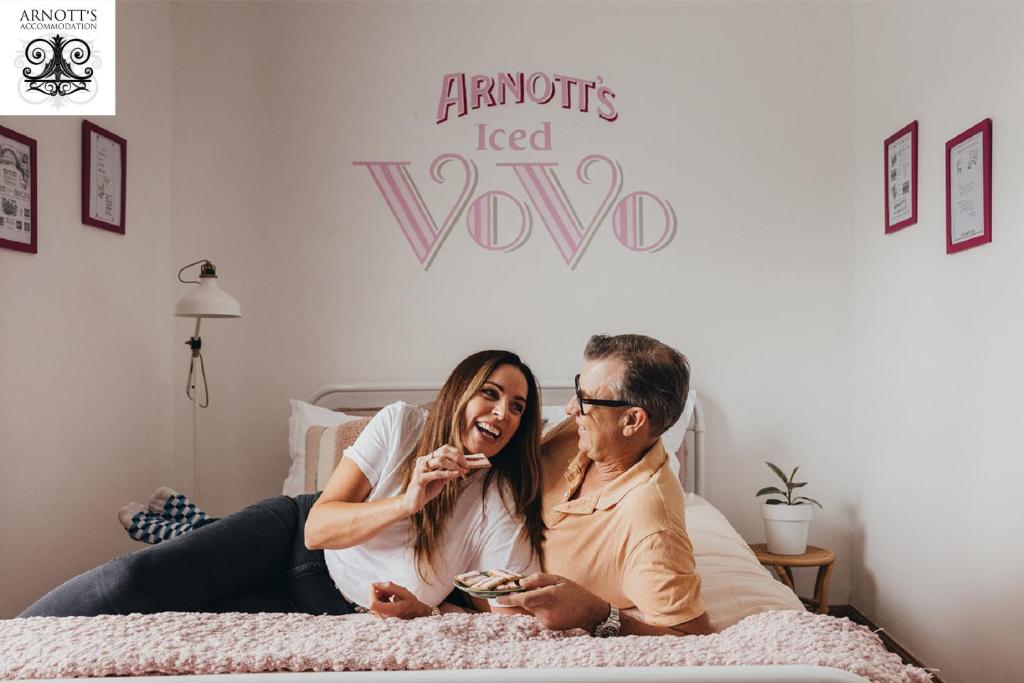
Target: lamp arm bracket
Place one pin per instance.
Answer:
(196, 342)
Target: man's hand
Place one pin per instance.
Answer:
(388, 599)
(561, 604)
(558, 603)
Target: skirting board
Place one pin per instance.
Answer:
(851, 613)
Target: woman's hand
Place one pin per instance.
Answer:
(430, 474)
(388, 599)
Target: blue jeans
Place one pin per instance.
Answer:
(252, 561)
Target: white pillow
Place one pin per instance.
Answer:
(305, 415)
(551, 416)
(674, 435)
(733, 585)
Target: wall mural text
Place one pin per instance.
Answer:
(499, 221)
(471, 92)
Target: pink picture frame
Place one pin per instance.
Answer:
(104, 178)
(900, 188)
(19, 198)
(955, 244)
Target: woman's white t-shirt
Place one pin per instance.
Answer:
(481, 533)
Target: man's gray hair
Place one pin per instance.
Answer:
(656, 376)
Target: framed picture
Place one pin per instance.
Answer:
(18, 198)
(104, 172)
(969, 188)
(901, 178)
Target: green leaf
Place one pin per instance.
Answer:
(792, 477)
(777, 471)
(809, 500)
(795, 485)
(772, 501)
(769, 489)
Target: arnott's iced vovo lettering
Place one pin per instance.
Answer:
(465, 92)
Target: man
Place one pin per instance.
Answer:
(612, 506)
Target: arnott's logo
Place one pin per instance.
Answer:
(63, 59)
(641, 220)
(58, 19)
(472, 92)
(53, 67)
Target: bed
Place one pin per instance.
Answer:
(764, 632)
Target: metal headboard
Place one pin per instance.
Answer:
(375, 395)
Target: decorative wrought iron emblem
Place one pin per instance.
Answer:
(59, 56)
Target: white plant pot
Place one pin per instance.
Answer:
(785, 527)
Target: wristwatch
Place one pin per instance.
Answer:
(610, 626)
(435, 611)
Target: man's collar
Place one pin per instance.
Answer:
(615, 490)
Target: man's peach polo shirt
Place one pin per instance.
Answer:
(626, 542)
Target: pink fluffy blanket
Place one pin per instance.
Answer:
(185, 643)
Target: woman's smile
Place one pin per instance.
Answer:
(493, 414)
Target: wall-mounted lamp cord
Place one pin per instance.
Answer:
(190, 282)
(196, 344)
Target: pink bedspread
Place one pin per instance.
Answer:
(182, 643)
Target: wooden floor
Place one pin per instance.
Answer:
(851, 613)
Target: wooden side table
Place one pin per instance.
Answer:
(822, 558)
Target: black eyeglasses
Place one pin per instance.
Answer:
(595, 401)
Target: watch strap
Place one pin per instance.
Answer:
(610, 626)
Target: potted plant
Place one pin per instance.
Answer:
(786, 519)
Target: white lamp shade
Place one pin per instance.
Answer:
(208, 301)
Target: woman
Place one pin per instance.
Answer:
(402, 505)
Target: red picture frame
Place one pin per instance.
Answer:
(984, 129)
(13, 206)
(109, 184)
(895, 184)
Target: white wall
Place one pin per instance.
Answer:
(937, 391)
(723, 113)
(85, 336)
(761, 123)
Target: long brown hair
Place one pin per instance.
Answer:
(516, 466)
